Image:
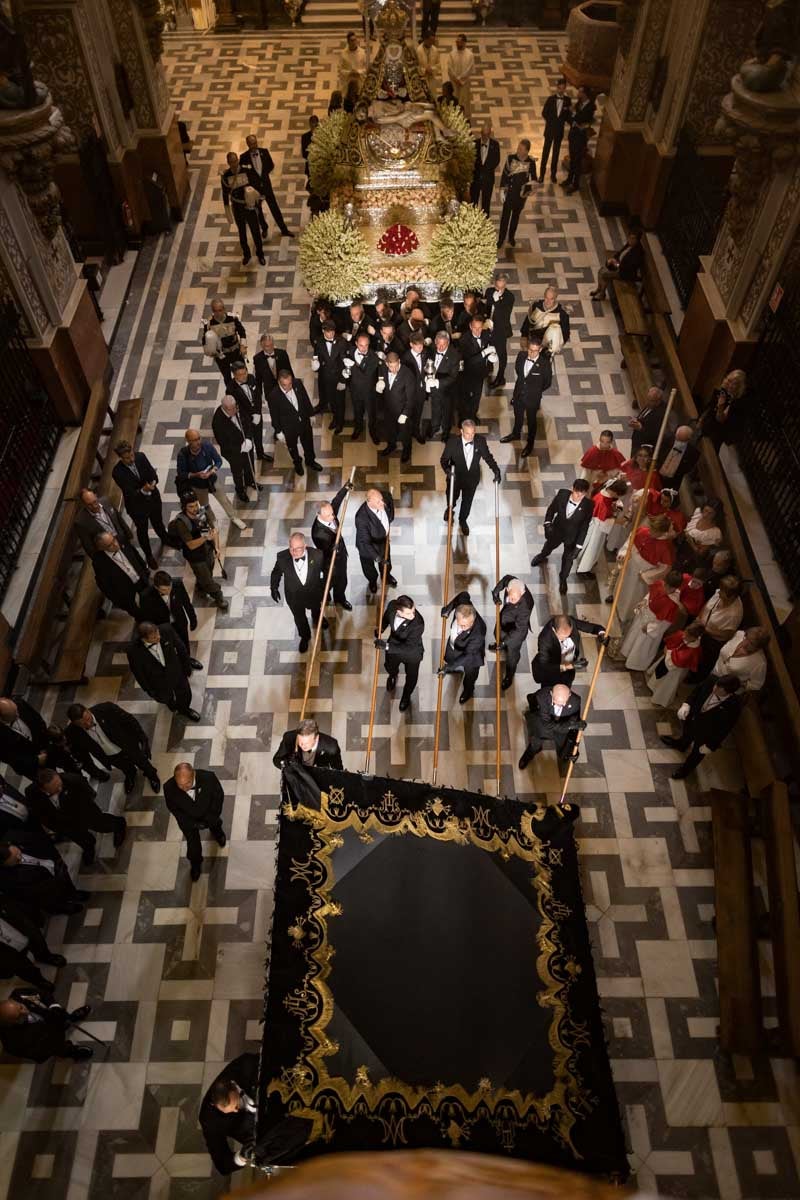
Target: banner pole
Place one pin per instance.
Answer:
(376, 669)
(443, 646)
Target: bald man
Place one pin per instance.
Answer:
(32, 1026)
(300, 569)
(554, 716)
(323, 534)
(679, 458)
(96, 515)
(515, 622)
(195, 799)
(120, 572)
(233, 429)
(23, 736)
(199, 464)
(373, 521)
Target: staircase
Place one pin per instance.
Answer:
(344, 15)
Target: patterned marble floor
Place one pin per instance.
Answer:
(174, 970)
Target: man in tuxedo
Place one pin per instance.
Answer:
(362, 377)
(487, 160)
(554, 715)
(120, 572)
(301, 571)
(266, 364)
(416, 322)
(233, 433)
(137, 479)
(534, 372)
(387, 341)
(566, 524)
(33, 874)
(323, 535)
(291, 411)
(235, 182)
(32, 1026)
(373, 520)
(403, 645)
(499, 304)
(708, 717)
(466, 643)
(195, 799)
(357, 322)
(478, 356)
(247, 396)
(22, 942)
(516, 184)
(106, 736)
(626, 264)
(308, 747)
(195, 529)
(395, 386)
(678, 457)
(415, 359)
(329, 351)
(559, 653)
(258, 160)
(646, 425)
(555, 114)
(471, 307)
(95, 515)
(166, 602)
(462, 454)
(67, 805)
(577, 141)
(161, 666)
(445, 320)
(442, 384)
(23, 736)
(515, 622)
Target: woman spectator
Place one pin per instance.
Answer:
(635, 469)
(666, 503)
(723, 417)
(681, 655)
(607, 503)
(652, 618)
(720, 617)
(743, 656)
(702, 534)
(549, 318)
(652, 556)
(603, 461)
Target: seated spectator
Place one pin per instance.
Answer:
(626, 264)
(679, 457)
(32, 1026)
(106, 736)
(23, 736)
(720, 617)
(702, 533)
(666, 502)
(66, 804)
(33, 873)
(743, 656)
(550, 319)
(120, 572)
(22, 941)
(646, 425)
(15, 816)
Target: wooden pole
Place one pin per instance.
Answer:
(318, 630)
(445, 594)
(497, 689)
(615, 601)
(376, 669)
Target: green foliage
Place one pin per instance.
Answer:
(459, 168)
(327, 166)
(334, 258)
(463, 250)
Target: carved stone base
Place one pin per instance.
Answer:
(75, 359)
(709, 344)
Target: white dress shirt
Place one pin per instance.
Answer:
(104, 742)
(380, 513)
(156, 650)
(124, 564)
(469, 450)
(301, 567)
(30, 861)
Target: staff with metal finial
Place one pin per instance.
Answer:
(445, 594)
(384, 572)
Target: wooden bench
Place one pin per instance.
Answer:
(636, 361)
(652, 288)
(754, 756)
(87, 599)
(784, 912)
(741, 1028)
(631, 309)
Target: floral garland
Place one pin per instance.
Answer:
(334, 257)
(326, 167)
(459, 168)
(463, 250)
(398, 240)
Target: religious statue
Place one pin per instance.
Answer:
(777, 45)
(18, 89)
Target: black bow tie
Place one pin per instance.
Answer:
(302, 559)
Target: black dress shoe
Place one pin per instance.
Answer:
(195, 871)
(464, 527)
(527, 755)
(510, 437)
(246, 259)
(346, 605)
(325, 623)
(538, 560)
(669, 741)
(512, 242)
(195, 664)
(681, 773)
(373, 587)
(464, 697)
(77, 1052)
(52, 960)
(315, 466)
(130, 783)
(562, 586)
(151, 562)
(392, 582)
(80, 1014)
(332, 424)
(220, 838)
(243, 496)
(120, 833)
(506, 682)
(268, 458)
(303, 645)
(526, 451)
(405, 703)
(391, 683)
(82, 895)
(191, 714)
(357, 432)
(155, 783)
(262, 260)
(405, 456)
(298, 468)
(286, 233)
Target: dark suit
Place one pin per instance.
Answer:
(363, 377)
(545, 726)
(468, 650)
(176, 609)
(518, 184)
(371, 538)
(18, 960)
(417, 369)
(405, 330)
(203, 811)
(476, 368)
(230, 434)
(168, 684)
(546, 667)
(293, 423)
(443, 396)
(577, 140)
(397, 402)
(686, 465)
(266, 373)
(499, 312)
(123, 730)
(708, 728)
(561, 530)
(329, 375)
(528, 390)
(553, 131)
(37, 888)
(466, 480)
(87, 526)
(22, 753)
(264, 185)
(327, 753)
(324, 539)
(15, 816)
(248, 400)
(515, 625)
(631, 263)
(115, 584)
(403, 645)
(483, 178)
(143, 508)
(650, 420)
(73, 814)
(300, 597)
(40, 1039)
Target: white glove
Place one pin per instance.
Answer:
(370, 331)
(380, 386)
(381, 355)
(427, 342)
(706, 750)
(247, 446)
(279, 437)
(456, 336)
(349, 362)
(256, 420)
(340, 386)
(315, 363)
(430, 384)
(348, 337)
(402, 420)
(489, 324)
(240, 1159)
(683, 712)
(461, 365)
(487, 352)
(345, 374)
(503, 195)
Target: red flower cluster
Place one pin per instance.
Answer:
(398, 240)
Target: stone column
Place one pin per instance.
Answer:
(758, 228)
(37, 271)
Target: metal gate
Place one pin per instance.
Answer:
(29, 434)
(769, 448)
(693, 205)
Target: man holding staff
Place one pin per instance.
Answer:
(372, 525)
(462, 454)
(303, 578)
(515, 622)
(466, 643)
(403, 645)
(323, 535)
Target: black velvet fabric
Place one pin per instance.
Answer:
(430, 981)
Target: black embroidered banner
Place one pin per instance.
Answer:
(430, 981)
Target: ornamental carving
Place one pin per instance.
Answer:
(59, 60)
(730, 25)
(21, 284)
(153, 21)
(627, 16)
(125, 30)
(29, 139)
(767, 261)
(649, 53)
